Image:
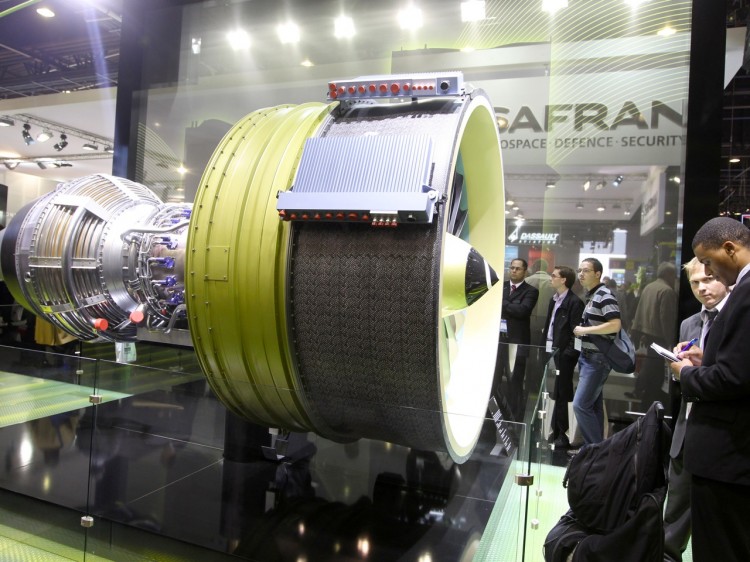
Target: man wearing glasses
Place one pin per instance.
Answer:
(519, 299)
(601, 316)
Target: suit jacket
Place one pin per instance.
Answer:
(717, 440)
(567, 317)
(655, 314)
(517, 308)
(689, 329)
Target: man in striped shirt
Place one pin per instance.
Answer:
(600, 317)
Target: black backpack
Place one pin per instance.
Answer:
(616, 492)
(639, 539)
(564, 537)
(606, 480)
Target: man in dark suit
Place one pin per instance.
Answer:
(712, 295)
(563, 315)
(717, 381)
(519, 299)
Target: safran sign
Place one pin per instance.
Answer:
(523, 237)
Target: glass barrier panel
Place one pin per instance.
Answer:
(45, 431)
(171, 458)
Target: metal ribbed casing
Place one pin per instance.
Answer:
(62, 244)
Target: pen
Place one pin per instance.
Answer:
(689, 344)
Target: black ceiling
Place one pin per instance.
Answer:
(76, 50)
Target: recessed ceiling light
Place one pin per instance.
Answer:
(601, 208)
(288, 33)
(44, 136)
(472, 10)
(579, 205)
(510, 202)
(410, 18)
(45, 12)
(307, 62)
(239, 39)
(90, 146)
(6, 122)
(343, 27)
(734, 160)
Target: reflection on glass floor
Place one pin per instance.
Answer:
(156, 462)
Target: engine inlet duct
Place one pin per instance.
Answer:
(326, 320)
(97, 257)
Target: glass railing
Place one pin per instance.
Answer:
(133, 450)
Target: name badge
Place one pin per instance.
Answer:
(548, 349)
(503, 326)
(577, 344)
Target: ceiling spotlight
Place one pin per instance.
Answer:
(510, 202)
(515, 207)
(473, 10)
(288, 33)
(44, 136)
(600, 185)
(62, 144)
(587, 185)
(90, 146)
(675, 179)
(550, 184)
(601, 208)
(239, 40)
(343, 27)
(62, 164)
(27, 138)
(6, 122)
(11, 164)
(579, 205)
(618, 181)
(626, 212)
(410, 18)
(109, 149)
(41, 164)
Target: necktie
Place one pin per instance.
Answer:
(512, 288)
(708, 318)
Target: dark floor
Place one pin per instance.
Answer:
(155, 461)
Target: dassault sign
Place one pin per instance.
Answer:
(520, 237)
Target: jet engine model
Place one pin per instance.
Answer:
(334, 269)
